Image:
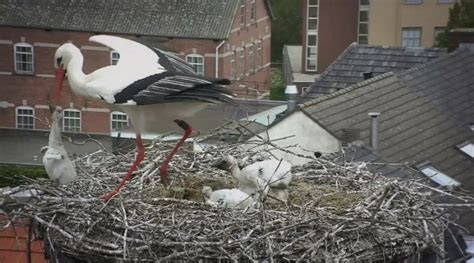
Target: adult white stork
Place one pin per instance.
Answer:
(145, 82)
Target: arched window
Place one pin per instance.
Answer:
(197, 61)
(71, 120)
(24, 58)
(118, 121)
(25, 117)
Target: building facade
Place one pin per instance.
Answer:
(329, 26)
(410, 23)
(228, 39)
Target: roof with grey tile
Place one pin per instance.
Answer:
(448, 82)
(375, 163)
(412, 129)
(208, 19)
(357, 59)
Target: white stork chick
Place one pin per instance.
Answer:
(272, 174)
(56, 160)
(227, 198)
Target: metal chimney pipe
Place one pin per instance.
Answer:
(291, 93)
(374, 129)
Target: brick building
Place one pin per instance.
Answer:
(228, 39)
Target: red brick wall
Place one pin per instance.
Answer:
(37, 89)
(337, 29)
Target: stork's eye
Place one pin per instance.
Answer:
(59, 60)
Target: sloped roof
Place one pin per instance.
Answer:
(412, 128)
(448, 82)
(357, 59)
(208, 19)
(375, 163)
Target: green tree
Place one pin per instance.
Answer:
(287, 26)
(461, 15)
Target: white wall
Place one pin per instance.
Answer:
(305, 135)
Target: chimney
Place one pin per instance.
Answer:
(291, 93)
(368, 75)
(374, 129)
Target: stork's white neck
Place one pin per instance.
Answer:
(75, 75)
(55, 140)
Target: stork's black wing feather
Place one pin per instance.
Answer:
(178, 82)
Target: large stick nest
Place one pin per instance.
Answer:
(336, 212)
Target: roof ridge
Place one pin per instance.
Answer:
(346, 90)
(432, 62)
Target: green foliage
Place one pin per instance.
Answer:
(277, 89)
(287, 26)
(461, 15)
(10, 175)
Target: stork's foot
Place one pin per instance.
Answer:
(109, 196)
(164, 166)
(164, 173)
(138, 160)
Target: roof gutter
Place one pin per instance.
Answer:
(217, 57)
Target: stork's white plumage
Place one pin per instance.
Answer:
(145, 81)
(56, 161)
(273, 175)
(227, 198)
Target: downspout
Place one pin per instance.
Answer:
(217, 58)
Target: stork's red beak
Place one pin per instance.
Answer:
(60, 73)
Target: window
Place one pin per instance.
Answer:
(470, 126)
(437, 176)
(312, 35)
(467, 148)
(253, 10)
(233, 74)
(411, 37)
(363, 33)
(258, 57)
(23, 58)
(25, 118)
(446, 1)
(197, 61)
(119, 120)
(242, 12)
(242, 62)
(114, 57)
(251, 60)
(71, 120)
(413, 2)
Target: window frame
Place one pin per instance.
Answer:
(233, 66)
(259, 55)
(311, 33)
(439, 176)
(32, 116)
(242, 62)
(363, 8)
(112, 59)
(413, 2)
(466, 152)
(251, 60)
(444, 2)
(15, 52)
(243, 11)
(253, 10)
(196, 65)
(67, 128)
(112, 120)
(408, 29)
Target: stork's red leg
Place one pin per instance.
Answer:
(164, 166)
(140, 157)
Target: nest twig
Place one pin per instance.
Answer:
(337, 212)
